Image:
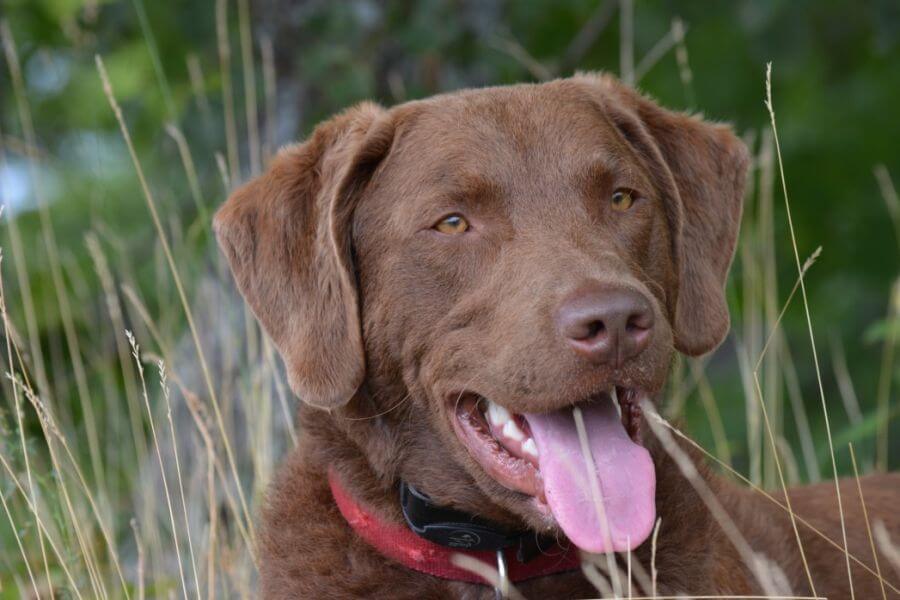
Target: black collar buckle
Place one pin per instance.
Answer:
(456, 529)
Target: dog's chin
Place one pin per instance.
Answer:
(582, 442)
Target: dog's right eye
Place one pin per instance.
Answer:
(452, 224)
(622, 200)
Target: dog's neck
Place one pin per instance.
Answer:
(688, 534)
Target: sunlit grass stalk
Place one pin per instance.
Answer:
(770, 372)
(597, 496)
(638, 573)
(9, 516)
(754, 562)
(124, 265)
(136, 353)
(791, 466)
(773, 335)
(270, 94)
(20, 427)
(865, 511)
(597, 579)
(845, 381)
(656, 53)
(626, 41)
(891, 198)
(49, 238)
(684, 65)
(621, 574)
(183, 298)
(680, 385)
(487, 572)
(46, 425)
(75, 522)
(224, 51)
(787, 497)
(250, 106)
(892, 202)
(107, 537)
(890, 551)
(199, 414)
(223, 172)
(801, 420)
(520, 54)
(20, 265)
(260, 431)
(213, 467)
(149, 507)
(758, 490)
(15, 532)
(747, 344)
(812, 339)
(717, 427)
(885, 376)
(114, 309)
(653, 545)
(132, 296)
(269, 354)
(751, 410)
(139, 546)
(153, 50)
(198, 87)
(164, 384)
(212, 513)
(190, 171)
(39, 521)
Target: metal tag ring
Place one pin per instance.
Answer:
(501, 591)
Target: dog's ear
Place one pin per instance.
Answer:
(286, 236)
(707, 164)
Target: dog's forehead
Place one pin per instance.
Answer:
(507, 133)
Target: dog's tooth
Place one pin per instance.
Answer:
(512, 431)
(498, 415)
(529, 447)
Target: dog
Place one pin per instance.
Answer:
(477, 297)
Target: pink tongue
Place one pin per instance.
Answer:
(624, 472)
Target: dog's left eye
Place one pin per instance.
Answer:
(452, 224)
(622, 199)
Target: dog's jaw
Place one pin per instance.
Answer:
(500, 442)
(581, 467)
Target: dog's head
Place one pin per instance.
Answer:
(497, 277)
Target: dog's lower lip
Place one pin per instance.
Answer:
(515, 470)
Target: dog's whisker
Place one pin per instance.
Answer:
(397, 405)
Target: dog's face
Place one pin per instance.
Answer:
(498, 278)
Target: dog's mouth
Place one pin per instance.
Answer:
(598, 483)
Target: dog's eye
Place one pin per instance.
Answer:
(622, 200)
(452, 224)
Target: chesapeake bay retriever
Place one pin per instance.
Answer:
(463, 289)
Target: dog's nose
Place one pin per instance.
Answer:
(606, 325)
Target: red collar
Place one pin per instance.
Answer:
(398, 543)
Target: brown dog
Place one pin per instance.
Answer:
(461, 288)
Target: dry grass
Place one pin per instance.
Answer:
(80, 494)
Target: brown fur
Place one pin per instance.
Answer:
(382, 322)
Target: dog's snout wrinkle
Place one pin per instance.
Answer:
(606, 324)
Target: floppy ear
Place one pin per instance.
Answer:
(707, 164)
(286, 236)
